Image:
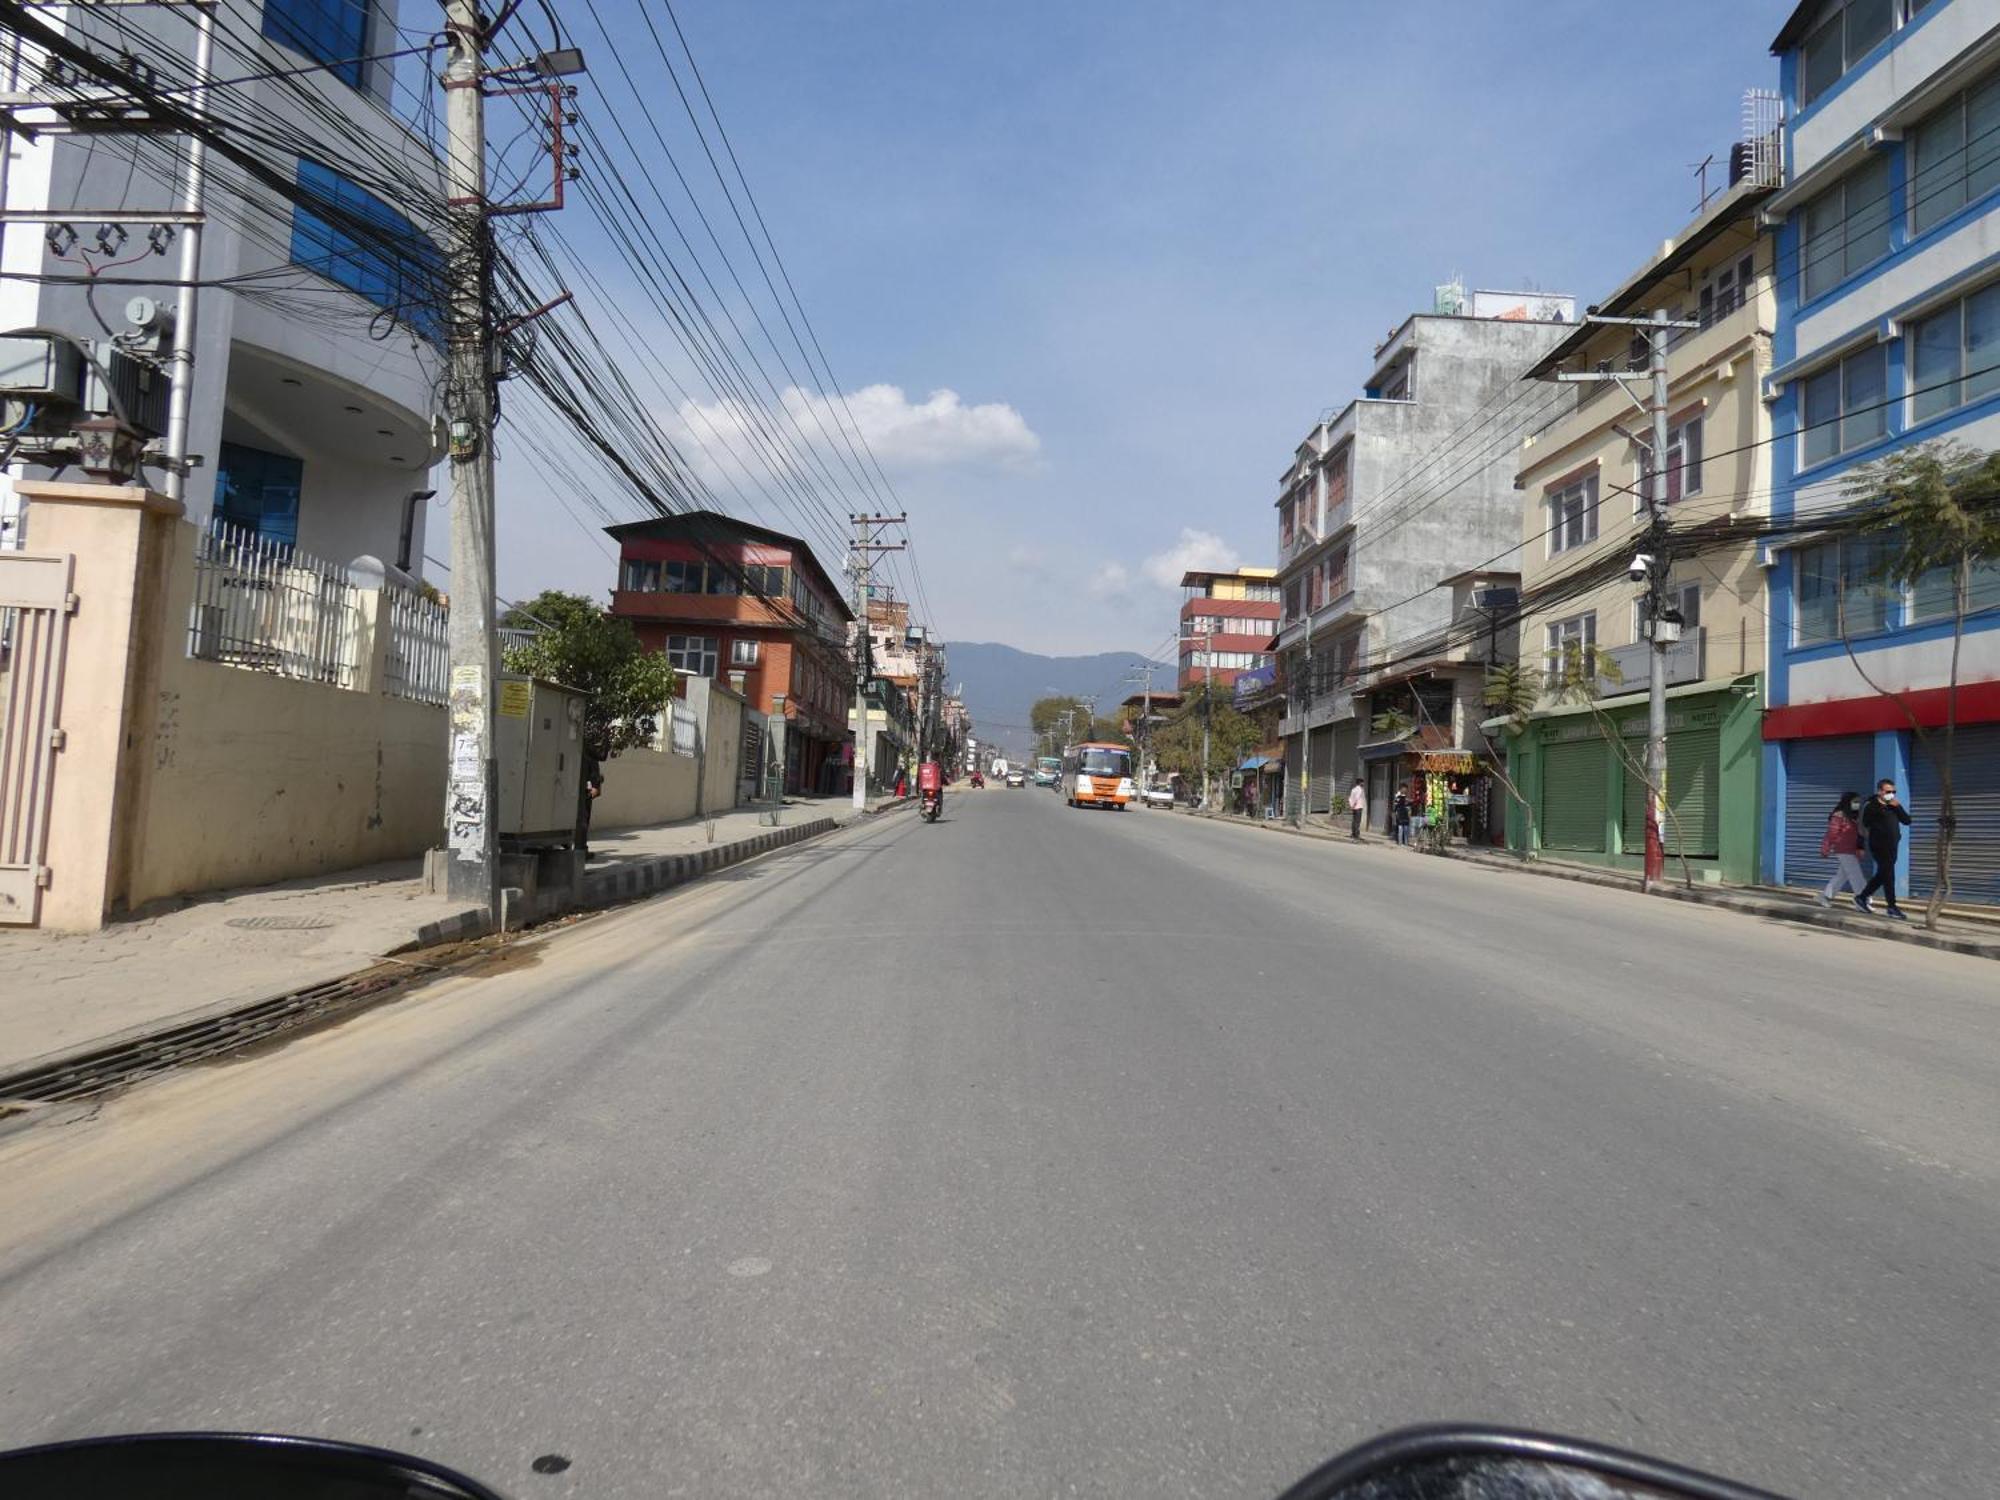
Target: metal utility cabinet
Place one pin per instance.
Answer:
(539, 744)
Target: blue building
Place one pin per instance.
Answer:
(1888, 335)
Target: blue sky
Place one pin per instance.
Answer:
(1145, 244)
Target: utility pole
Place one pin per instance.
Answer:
(1656, 595)
(1207, 639)
(1651, 563)
(866, 543)
(1304, 788)
(1144, 674)
(473, 791)
(180, 392)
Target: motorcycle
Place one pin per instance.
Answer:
(931, 806)
(1417, 1463)
(978, 781)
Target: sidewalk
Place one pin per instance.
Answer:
(67, 991)
(1777, 903)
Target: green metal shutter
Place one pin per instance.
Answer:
(1975, 795)
(1572, 812)
(1694, 794)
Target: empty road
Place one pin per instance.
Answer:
(1043, 1152)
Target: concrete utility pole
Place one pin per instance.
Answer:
(1656, 595)
(1207, 639)
(180, 392)
(1144, 674)
(1652, 564)
(1304, 788)
(866, 543)
(472, 791)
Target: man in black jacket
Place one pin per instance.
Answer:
(1883, 820)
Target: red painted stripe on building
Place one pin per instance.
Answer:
(1978, 703)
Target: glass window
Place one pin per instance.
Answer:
(683, 577)
(1817, 583)
(259, 491)
(1935, 347)
(355, 240)
(1568, 640)
(1820, 61)
(692, 654)
(327, 31)
(1930, 596)
(721, 580)
(1843, 39)
(1683, 464)
(1845, 229)
(1955, 155)
(641, 577)
(743, 653)
(1868, 21)
(1844, 406)
(1572, 515)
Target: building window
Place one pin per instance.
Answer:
(1955, 155)
(1844, 406)
(1725, 289)
(355, 240)
(1955, 355)
(1294, 600)
(1261, 593)
(1683, 597)
(1569, 641)
(641, 577)
(1841, 40)
(1840, 591)
(328, 31)
(692, 654)
(259, 491)
(1572, 514)
(1683, 464)
(722, 579)
(743, 653)
(1845, 229)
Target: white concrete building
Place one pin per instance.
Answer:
(317, 367)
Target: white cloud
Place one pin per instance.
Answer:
(940, 431)
(1111, 581)
(1195, 549)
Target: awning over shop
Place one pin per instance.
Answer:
(1385, 749)
(1252, 763)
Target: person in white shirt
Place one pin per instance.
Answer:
(1357, 809)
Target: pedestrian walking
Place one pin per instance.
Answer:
(1842, 844)
(1400, 817)
(1883, 820)
(590, 786)
(1357, 809)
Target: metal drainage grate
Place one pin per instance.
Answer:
(279, 924)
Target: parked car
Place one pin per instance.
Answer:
(1015, 778)
(1159, 794)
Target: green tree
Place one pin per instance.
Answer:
(1934, 517)
(1511, 692)
(1177, 744)
(577, 644)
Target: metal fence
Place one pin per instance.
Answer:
(417, 662)
(266, 607)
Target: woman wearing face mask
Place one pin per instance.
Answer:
(1843, 845)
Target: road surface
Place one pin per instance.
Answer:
(1051, 1152)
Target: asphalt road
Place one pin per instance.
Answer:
(1044, 1152)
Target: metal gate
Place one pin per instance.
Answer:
(35, 605)
(1694, 796)
(1975, 796)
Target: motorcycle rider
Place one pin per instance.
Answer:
(930, 783)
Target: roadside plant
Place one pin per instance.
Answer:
(1511, 693)
(577, 644)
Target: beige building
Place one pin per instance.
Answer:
(1583, 480)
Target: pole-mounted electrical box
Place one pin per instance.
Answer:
(538, 741)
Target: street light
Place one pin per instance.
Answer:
(559, 62)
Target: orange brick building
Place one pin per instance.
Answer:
(753, 607)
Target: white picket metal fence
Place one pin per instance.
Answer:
(266, 607)
(417, 662)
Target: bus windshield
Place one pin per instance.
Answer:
(1102, 762)
(1049, 763)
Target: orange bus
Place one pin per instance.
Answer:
(1097, 774)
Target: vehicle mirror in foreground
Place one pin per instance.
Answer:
(226, 1466)
(1490, 1463)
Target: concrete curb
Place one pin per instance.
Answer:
(620, 883)
(1728, 898)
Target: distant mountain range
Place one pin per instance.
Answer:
(1002, 684)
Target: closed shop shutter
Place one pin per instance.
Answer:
(1346, 761)
(1572, 810)
(1816, 773)
(1294, 755)
(1694, 795)
(1321, 742)
(1975, 795)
